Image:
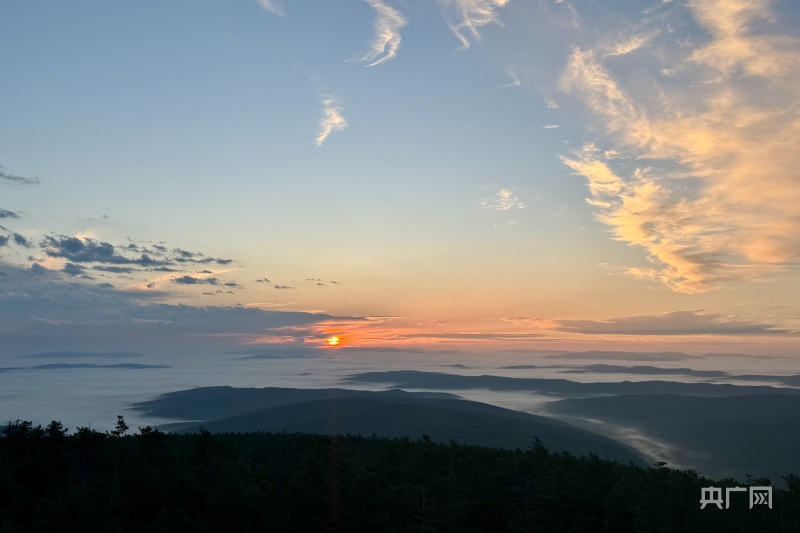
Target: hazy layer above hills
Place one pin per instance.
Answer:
(623, 356)
(388, 414)
(720, 436)
(62, 366)
(414, 379)
(646, 370)
(74, 355)
(211, 403)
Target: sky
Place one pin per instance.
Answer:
(441, 174)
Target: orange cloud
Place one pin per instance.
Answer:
(716, 202)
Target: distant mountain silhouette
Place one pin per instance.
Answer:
(644, 370)
(74, 355)
(60, 366)
(210, 403)
(414, 379)
(387, 414)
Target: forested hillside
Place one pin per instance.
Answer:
(152, 481)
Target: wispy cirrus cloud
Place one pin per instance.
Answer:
(674, 323)
(503, 200)
(459, 337)
(529, 322)
(273, 6)
(386, 42)
(332, 120)
(550, 103)
(515, 81)
(465, 17)
(561, 14)
(629, 44)
(655, 7)
(715, 202)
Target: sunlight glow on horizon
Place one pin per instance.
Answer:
(333, 341)
(565, 181)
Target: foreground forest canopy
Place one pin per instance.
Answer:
(153, 481)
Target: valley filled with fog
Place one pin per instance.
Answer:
(90, 389)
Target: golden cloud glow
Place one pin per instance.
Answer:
(332, 120)
(716, 201)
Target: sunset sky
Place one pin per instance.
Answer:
(444, 174)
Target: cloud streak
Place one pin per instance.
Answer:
(386, 42)
(332, 120)
(89, 250)
(273, 6)
(465, 17)
(630, 44)
(515, 81)
(192, 280)
(503, 200)
(715, 202)
(674, 323)
(21, 180)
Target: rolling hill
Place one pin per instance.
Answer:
(386, 414)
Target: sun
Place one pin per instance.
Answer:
(333, 341)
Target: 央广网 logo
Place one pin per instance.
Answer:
(713, 496)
